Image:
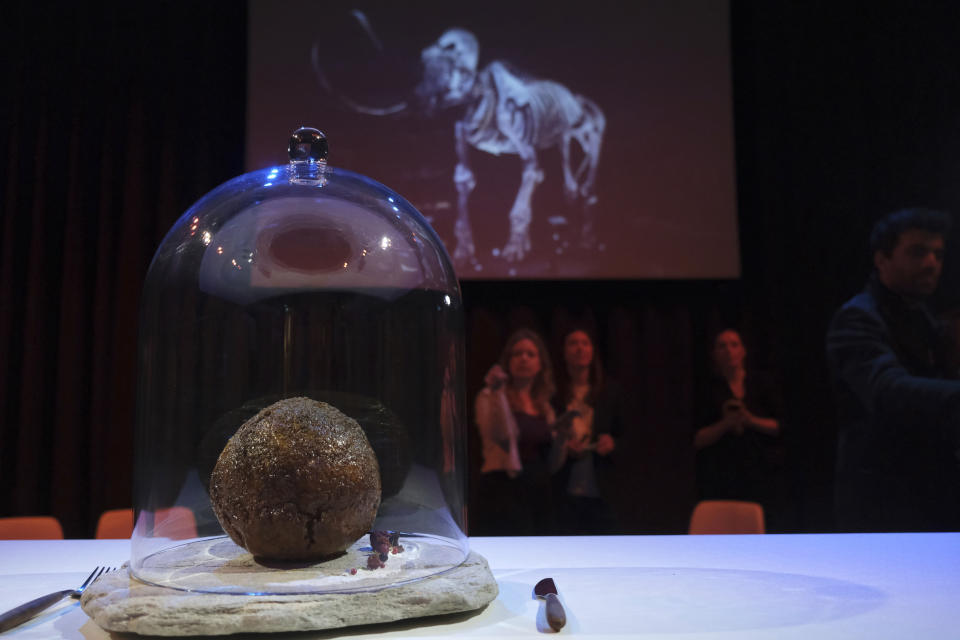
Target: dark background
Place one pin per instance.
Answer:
(115, 121)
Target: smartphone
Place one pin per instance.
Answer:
(566, 418)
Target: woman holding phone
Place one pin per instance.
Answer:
(737, 429)
(586, 439)
(516, 426)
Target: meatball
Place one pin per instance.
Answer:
(298, 481)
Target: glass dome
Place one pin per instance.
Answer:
(299, 281)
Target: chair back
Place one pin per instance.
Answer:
(115, 523)
(177, 523)
(30, 528)
(726, 516)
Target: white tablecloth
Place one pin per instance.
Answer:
(903, 586)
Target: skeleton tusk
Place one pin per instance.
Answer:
(362, 19)
(347, 101)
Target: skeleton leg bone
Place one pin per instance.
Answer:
(519, 243)
(588, 234)
(464, 180)
(590, 137)
(570, 187)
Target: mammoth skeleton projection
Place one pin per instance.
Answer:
(502, 112)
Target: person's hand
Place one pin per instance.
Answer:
(496, 377)
(564, 421)
(739, 422)
(747, 419)
(732, 407)
(734, 416)
(576, 446)
(605, 444)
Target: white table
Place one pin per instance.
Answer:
(773, 586)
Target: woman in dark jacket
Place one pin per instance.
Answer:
(737, 429)
(590, 420)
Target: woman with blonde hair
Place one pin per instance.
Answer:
(515, 422)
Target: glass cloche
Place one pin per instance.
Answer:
(312, 283)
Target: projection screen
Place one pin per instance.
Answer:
(541, 140)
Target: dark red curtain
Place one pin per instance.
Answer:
(114, 121)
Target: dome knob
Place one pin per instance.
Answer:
(308, 145)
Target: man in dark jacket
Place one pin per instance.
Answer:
(898, 398)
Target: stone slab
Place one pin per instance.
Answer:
(117, 602)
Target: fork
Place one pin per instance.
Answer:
(24, 612)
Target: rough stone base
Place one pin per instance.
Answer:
(118, 603)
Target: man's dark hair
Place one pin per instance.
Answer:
(886, 231)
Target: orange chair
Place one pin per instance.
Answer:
(30, 528)
(173, 522)
(726, 516)
(115, 523)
